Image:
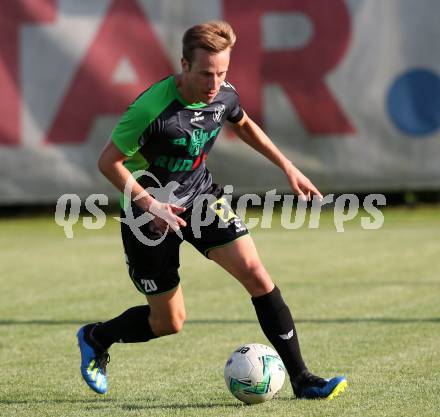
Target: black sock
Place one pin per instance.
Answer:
(132, 326)
(277, 324)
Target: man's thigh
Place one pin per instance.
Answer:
(242, 261)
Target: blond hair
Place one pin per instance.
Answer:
(214, 36)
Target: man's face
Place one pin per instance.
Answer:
(206, 73)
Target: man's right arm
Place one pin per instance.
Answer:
(111, 164)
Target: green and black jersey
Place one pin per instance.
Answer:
(163, 134)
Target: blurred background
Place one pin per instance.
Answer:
(349, 90)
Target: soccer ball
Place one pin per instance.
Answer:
(254, 373)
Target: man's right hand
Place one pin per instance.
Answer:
(166, 215)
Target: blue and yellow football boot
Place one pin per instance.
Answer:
(313, 387)
(93, 361)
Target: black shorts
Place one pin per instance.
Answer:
(154, 268)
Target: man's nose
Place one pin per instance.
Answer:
(214, 83)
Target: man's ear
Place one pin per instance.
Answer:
(186, 66)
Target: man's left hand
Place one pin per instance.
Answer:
(301, 185)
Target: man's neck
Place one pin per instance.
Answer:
(183, 91)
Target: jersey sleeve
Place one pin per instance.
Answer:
(128, 132)
(236, 112)
(131, 133)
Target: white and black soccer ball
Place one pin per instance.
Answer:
(254, 373)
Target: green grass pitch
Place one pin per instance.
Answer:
(366, 304)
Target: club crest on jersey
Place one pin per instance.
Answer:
(218, 113)
(198, 139)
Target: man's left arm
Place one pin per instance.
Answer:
(249, 132)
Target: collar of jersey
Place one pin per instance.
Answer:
(182, 100)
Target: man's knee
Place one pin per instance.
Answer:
(255, 270)
(170, 324)
(175, 323)
(257, 281)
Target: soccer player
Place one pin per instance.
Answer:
(168, 131)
